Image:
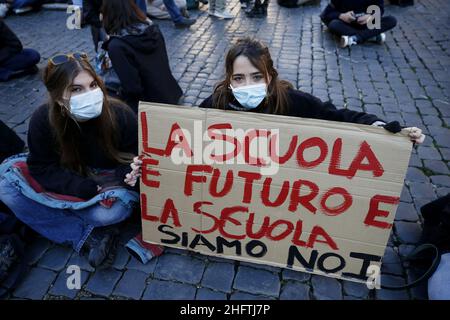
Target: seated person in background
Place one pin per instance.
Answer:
(138, 54)
(157, 10)
(14, 60)
(349, 20)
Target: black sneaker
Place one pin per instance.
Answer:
(99, 244)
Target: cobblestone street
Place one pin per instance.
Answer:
(406, 79)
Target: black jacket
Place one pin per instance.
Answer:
(10, 143)
(44, 160)
(10, 45)
(304, 105)
(336, 7)
(142, 66)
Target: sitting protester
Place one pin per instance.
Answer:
(157, 9)
(71, 187)
(15, 61)
(351, 20)
(251, 84)
(138, 55)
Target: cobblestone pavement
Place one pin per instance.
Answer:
(406, 79)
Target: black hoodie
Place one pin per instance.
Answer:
(336, 7)
(10, 45)
(139, 57)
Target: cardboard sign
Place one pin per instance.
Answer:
(311, 195)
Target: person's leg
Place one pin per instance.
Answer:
(23, 61)
(154, 10)
(17, 4)
(386, 23)
(173, 10)
(220, 6)
(58, 225)
(439, 283)
(340, 28)
(99, 216)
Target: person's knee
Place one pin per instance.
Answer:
(108, 216)
(334, 25)
(389, 22)
(32, 55)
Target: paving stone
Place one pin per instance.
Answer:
(391, 262)
(180, 268)
(295, 291)
(61, 288)
(35, 284)
(325, 288)
(131, 285)
(238, 295)
(55, 258)
(103, 282)
(414, 174)
(437, 166)
(355, 289)
(421, 190)
(441, 180)
(169, 290)
(219, 276)
(296, 275)
(408, 232)
(121, 259)
(208, 294)
(384, 294)
(147, 268)
(36, 250)
(257, 281)
(406, 212)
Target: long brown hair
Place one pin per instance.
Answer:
(259, 56)
(57, 80)
(119, 14)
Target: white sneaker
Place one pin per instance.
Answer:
(223, 14)
(55, 6)
(4, 8)
(22, 10)
(347, 41)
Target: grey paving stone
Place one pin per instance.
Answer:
(437, 166)
(355, 289)
(295, 291)
(406, 212)
(36, 250)
(421, 190)
(296, 275)
(208, 294)
(55, 258)
(414, 174)
(238, 295)
(121, 259)
(169, 290)
(103, 282)
(325, 288)
(179, 267)
(35, 284)
(441, 180)
(391, 262)
(131, 285)
(219, 276)
(147, 268)
(257, 281)
(384, 294)
(408, 232)
(61, 288)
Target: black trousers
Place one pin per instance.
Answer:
(342, 28)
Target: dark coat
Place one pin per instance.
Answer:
(304, 105)
(10, 143)
(336, 7)
(44, 160)
(10, 45)
(142, 66)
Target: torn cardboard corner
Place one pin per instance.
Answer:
(311, 195)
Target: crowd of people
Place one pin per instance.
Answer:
(83, 141)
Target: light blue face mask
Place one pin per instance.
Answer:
(250, 96)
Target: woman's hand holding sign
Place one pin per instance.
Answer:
(131, 178)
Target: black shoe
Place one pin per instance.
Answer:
(185, 23)
(256, 12)
(99, 244)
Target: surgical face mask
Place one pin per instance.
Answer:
(87, 105)
(250, 96)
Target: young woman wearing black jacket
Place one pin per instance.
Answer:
(251, 84)
(138, 55)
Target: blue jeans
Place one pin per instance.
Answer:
(142, 4)
(24, 60)
(439, 283)
(23, 3)
(173, 10)
(63, 226)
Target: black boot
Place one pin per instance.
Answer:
(99, 244)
